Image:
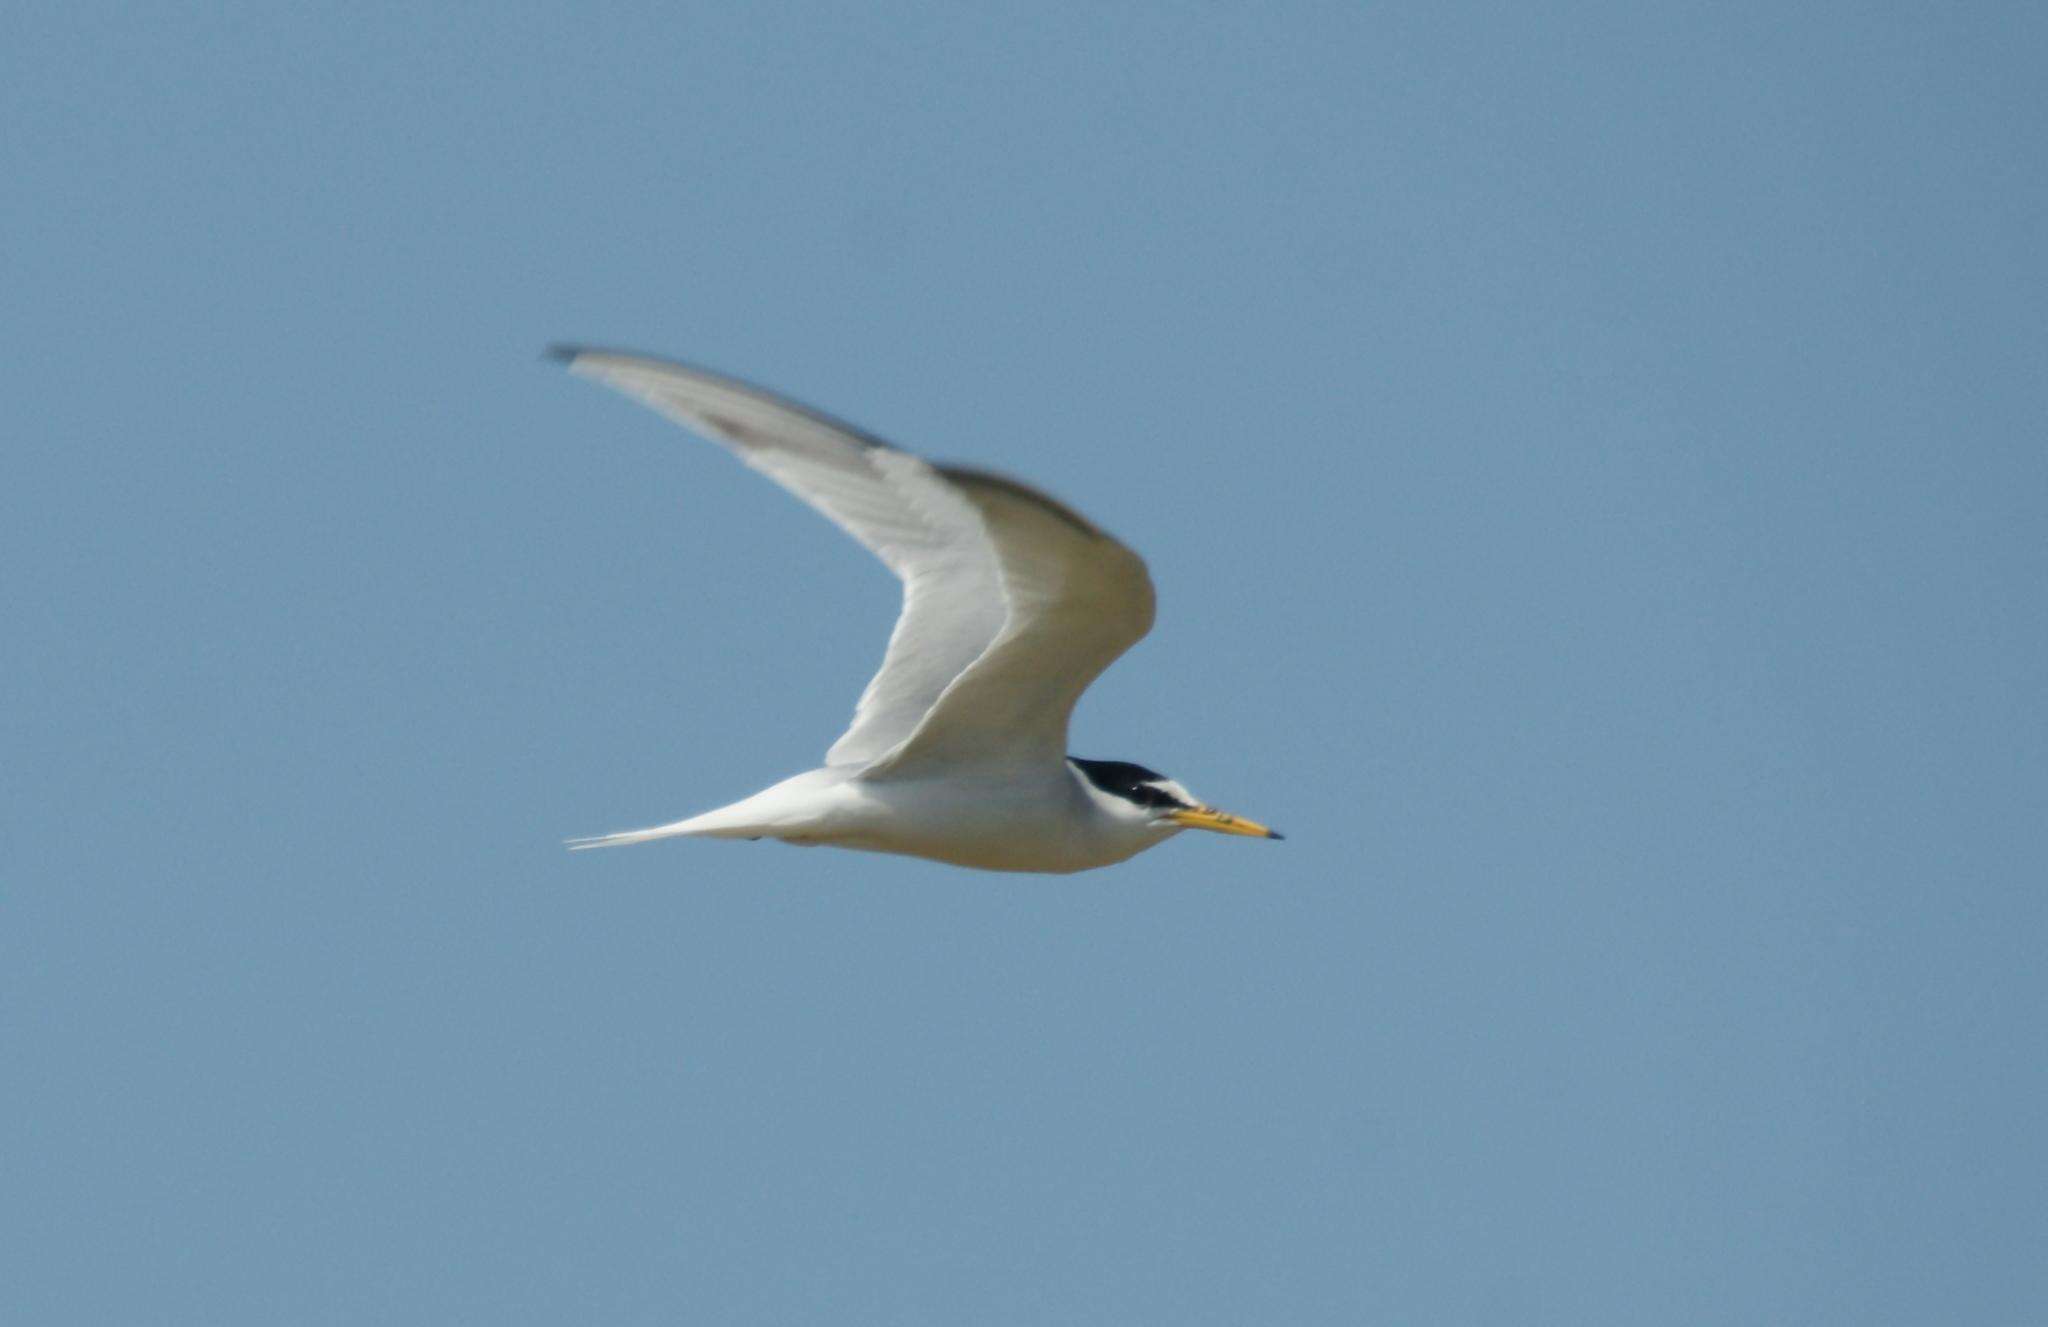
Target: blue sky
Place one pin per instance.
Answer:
(1591, 460)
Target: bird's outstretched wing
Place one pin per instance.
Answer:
(1076, 599)
(894, 504)
(1012, 604)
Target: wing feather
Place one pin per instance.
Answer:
(894, 504)
(1012, 602)
(1077, 600)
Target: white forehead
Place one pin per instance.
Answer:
(1173, 788)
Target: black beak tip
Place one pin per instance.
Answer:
(1275, 834)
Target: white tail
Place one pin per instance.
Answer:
(789, 806)
(727, 822)
(631, 836)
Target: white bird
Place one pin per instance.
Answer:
(1012, 605)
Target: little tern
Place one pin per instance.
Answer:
(1012, 604)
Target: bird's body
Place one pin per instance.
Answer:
(1026, 820)
(1013, 604)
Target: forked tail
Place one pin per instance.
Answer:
(719, 824)
(624, 837)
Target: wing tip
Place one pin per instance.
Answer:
(573, 355)
(571, 352)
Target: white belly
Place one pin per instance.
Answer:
(994, 824)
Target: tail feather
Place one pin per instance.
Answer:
(624, 837)
(719, 824)
(771, 813)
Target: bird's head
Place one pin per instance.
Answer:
(1141, 796)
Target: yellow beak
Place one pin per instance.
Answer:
(1222, 822)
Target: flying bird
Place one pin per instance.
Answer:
(1012, 604)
